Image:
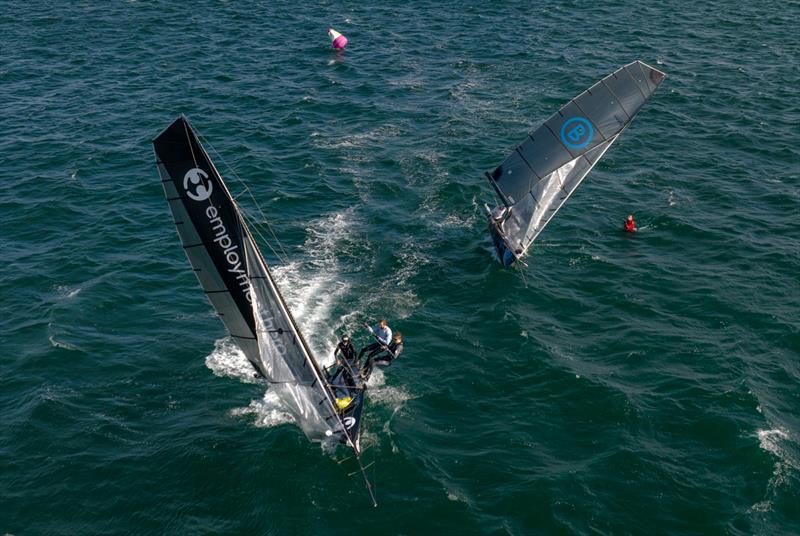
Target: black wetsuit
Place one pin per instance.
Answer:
(347, 350)
(350, 362)
(373, 348)
(384, 359)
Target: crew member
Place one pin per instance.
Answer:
(630, 224)
(383, 335)
(345, 355)
(384, 358)
(347, 351)
(500, 214)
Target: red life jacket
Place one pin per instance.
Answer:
(630, 226)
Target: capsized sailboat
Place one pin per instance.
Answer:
(536, 179)
(238, 283)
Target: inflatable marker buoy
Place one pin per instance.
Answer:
(338, 41)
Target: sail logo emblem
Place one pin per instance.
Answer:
(576, 132)
(199, 178)
(348, 422)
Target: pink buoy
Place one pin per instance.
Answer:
(338, 41)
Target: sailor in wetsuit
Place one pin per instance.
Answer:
(346, 349)
(345, 355)
(384, 358)
(498, 217)
(382, 333)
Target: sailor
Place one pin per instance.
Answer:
(347, 351)
(385, 358)
(499, 215)
(347, 364)
(630, 224)
(383, 335)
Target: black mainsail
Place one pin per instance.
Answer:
(210, 229)
(240, 287)
(536, 179)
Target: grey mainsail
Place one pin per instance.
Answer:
(545, 169)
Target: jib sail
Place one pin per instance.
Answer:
(287, 360)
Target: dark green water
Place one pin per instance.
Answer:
(619, 385)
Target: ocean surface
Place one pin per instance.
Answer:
(619, 384)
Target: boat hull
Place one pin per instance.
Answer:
(351, 414)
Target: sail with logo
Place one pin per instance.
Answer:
(536, 179)
(237, 281)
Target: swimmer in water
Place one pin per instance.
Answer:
(630, 224)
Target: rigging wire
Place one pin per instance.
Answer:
(523, 276)
(256, 225)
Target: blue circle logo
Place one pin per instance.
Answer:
(576, 132)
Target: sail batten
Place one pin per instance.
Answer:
(562, 151)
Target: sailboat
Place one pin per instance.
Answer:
(535, 180)
(237, 281)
